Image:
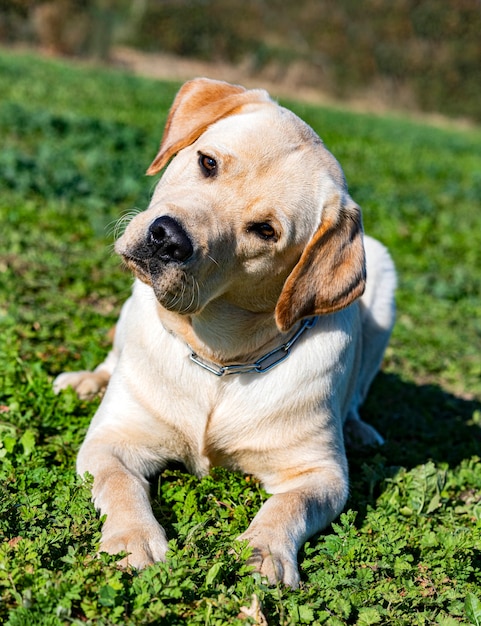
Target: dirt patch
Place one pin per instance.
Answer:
(170, 67)
(280, 82)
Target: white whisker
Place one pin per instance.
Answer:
(176, 297)
(179, 296)
(117, 227)
(198, 294)
(213, 260)
(192, 297)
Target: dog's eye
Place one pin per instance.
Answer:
(208, 165)
(263, 230)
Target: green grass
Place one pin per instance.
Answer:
(407, 550)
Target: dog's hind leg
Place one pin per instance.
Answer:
(377, 315)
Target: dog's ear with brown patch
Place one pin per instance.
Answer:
(331, 272)
(199, 103)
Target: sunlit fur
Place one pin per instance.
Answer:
(235, 298)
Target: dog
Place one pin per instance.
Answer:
(251, 336)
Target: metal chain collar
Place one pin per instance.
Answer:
(262, 365)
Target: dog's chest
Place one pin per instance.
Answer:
(235, 420)
(228, 421)
(253, 416)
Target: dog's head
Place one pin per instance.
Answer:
(252, 209)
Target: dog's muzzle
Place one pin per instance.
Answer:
(168, 241)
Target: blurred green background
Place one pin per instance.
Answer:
(421, 55)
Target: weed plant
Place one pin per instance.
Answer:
(407, 550)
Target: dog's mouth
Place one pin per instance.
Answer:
(174, 288)
(160, 260)
(139, 266)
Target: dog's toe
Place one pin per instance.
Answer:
(276, 567)
(143, 546)
(276, 563)
(85, 384)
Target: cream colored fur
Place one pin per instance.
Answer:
(237, 296)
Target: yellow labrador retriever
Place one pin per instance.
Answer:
(251, 336)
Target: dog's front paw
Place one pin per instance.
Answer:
(273, 562)
(145, 545)
(86, 384)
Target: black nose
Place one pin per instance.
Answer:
(169, 240)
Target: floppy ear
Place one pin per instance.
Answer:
(331, 272)
(198, 104)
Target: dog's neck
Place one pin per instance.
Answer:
(224, 333)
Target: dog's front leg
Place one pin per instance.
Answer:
(122, 494)
(286, 520)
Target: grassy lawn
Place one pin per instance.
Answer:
(75, 144)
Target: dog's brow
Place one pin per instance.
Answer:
(218, 150)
